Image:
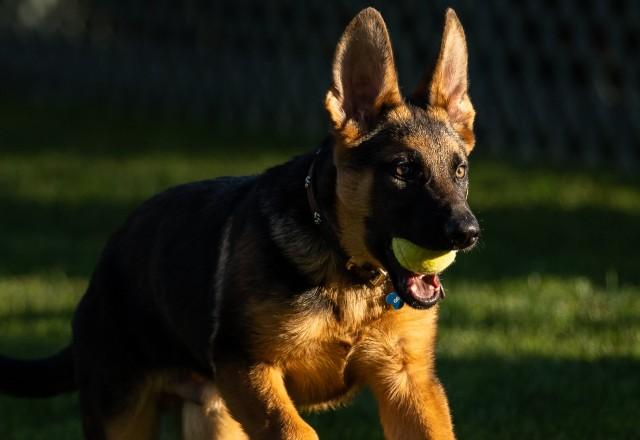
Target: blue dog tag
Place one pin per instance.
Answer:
(394, 300)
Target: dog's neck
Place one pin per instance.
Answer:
(306, 231)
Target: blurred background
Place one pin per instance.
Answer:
(105, 102)
(553, 79)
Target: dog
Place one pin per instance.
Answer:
(246, 299)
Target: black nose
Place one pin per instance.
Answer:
(463, 232)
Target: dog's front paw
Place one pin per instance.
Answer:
(302, 431)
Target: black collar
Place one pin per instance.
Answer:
(367, 273)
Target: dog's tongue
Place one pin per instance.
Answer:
(423, 287)
(432, 280)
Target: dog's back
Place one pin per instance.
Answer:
(155, 280)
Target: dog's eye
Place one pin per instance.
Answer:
(461, 171)
(404, 171)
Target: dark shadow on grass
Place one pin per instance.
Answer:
(32, 316)
(585, 242)
(45, 237)
(530, 398)
(533, 398)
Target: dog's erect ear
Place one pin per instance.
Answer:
(364, 77)
(448, 88)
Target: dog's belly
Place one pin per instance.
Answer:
(317, 376)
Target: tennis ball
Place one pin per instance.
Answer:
(420, 260)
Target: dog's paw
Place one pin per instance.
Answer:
(302, 431)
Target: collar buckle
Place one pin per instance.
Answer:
(379, 277)
(374, 276)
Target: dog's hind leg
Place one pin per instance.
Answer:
(119, 399)
(127, 416)
(210, 420)
(138, 421)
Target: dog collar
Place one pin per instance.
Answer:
(370, 274)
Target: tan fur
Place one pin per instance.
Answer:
(257, 397)
(438, 113)
(396, 359)
(318, 359)
(315, 350)
(352, 206)
(204, 412)
(211, 420)
(310, 346)
(140, 424)
(139, 419)
(399, 114)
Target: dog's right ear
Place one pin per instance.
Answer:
(364, 77)
(448, 89)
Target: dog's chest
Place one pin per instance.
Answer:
(320, 342)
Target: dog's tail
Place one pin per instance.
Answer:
(39, 377)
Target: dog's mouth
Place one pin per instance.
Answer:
(418, 290)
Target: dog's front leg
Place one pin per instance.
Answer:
(413, 407)
(257, 398)
(395, 358)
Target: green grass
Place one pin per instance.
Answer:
(539, 334)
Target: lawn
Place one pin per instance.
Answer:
(539, 333)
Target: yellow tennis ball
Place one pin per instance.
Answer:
(420, 260)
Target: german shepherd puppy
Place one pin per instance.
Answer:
(251, 297)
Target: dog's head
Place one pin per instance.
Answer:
(402, 167)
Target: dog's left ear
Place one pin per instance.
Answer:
(364, 77)
(448, 88)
